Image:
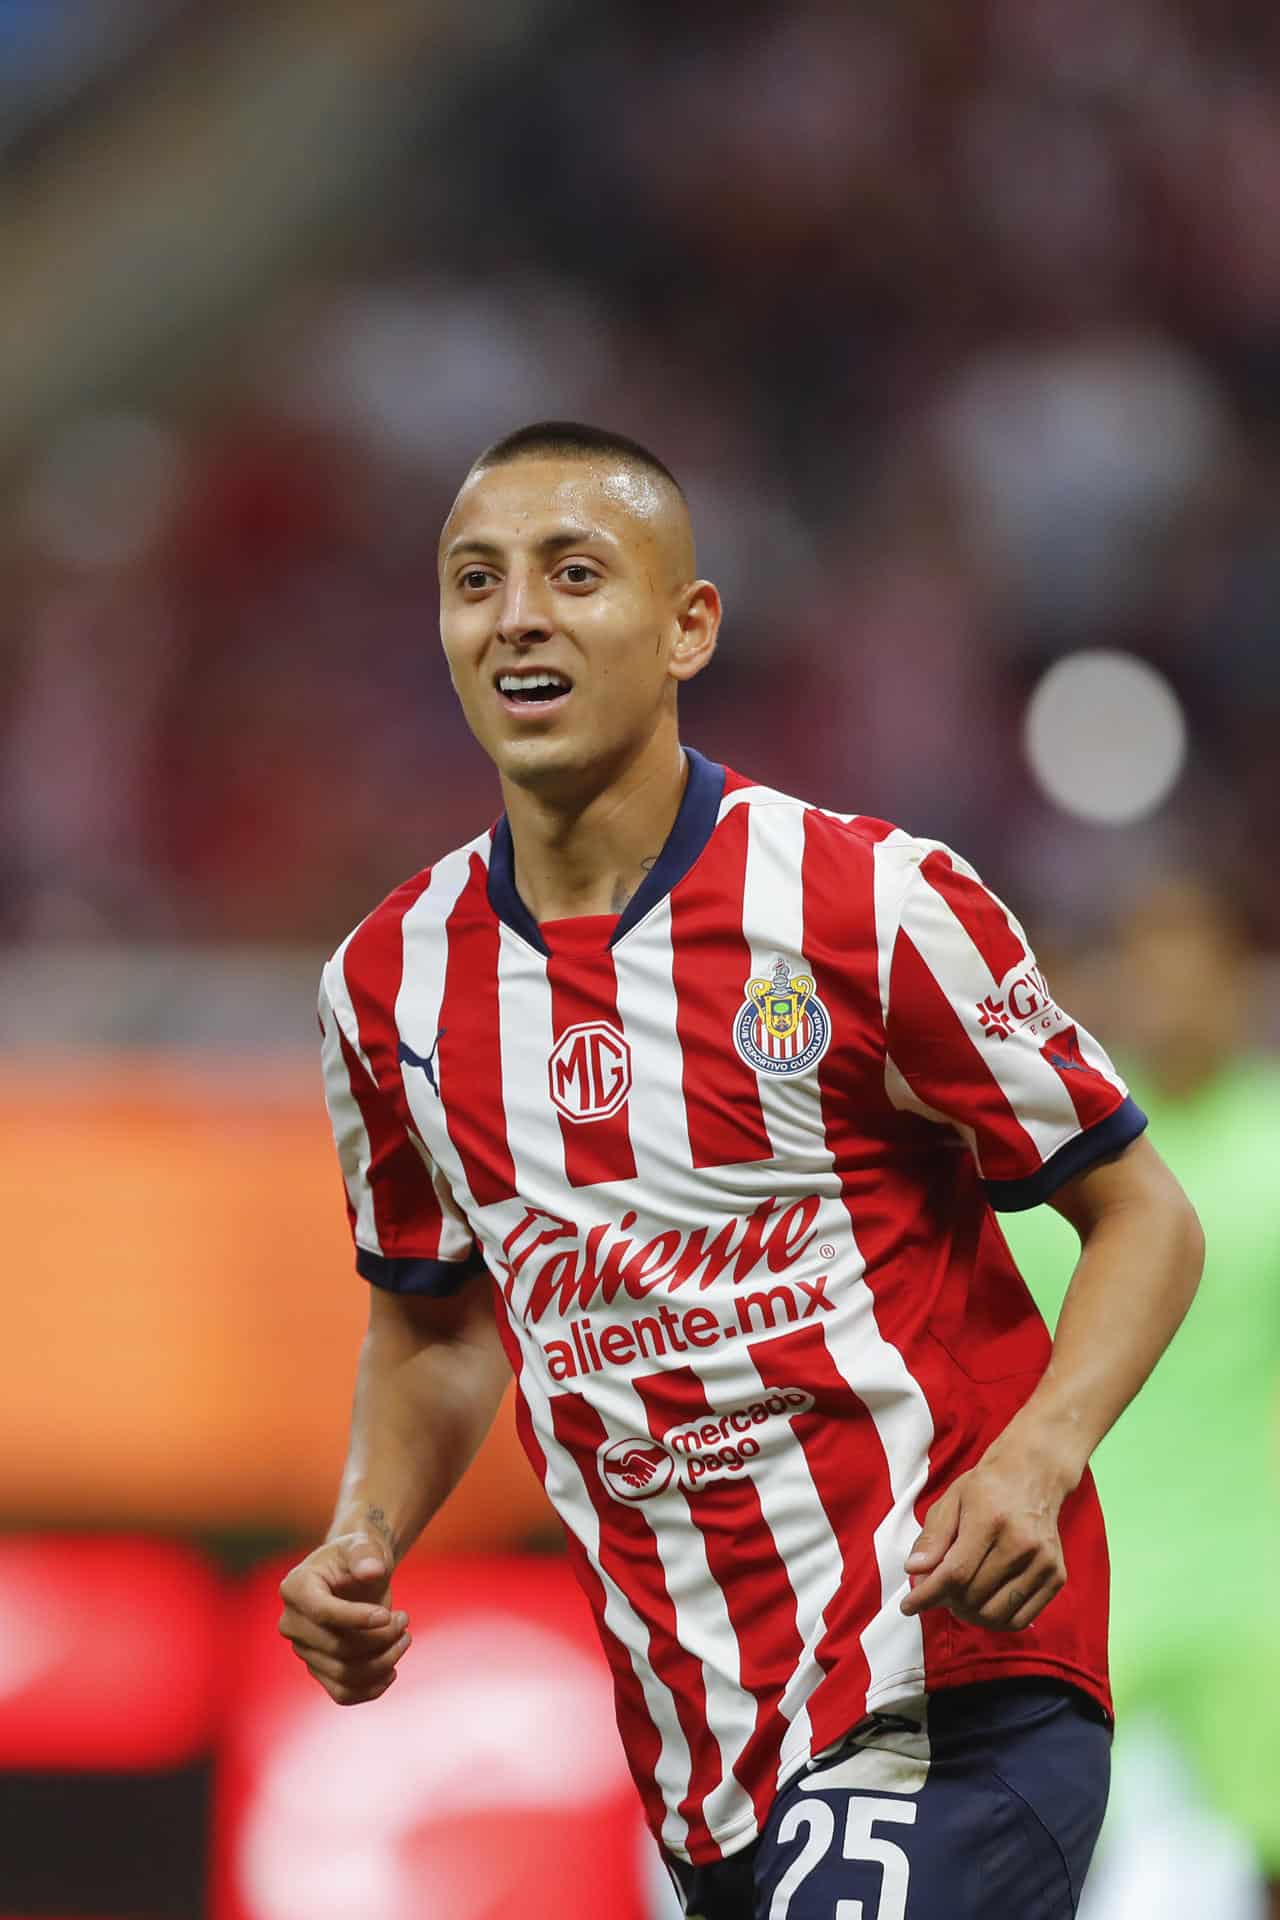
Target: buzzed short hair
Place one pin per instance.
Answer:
(573, 437)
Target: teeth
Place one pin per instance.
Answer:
(517, 682)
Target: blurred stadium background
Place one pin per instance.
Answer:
(962, 325)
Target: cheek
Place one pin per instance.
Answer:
(631, 665)
(459, 659)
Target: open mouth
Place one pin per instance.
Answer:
(527, 692)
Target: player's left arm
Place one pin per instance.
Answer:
(990, 1550)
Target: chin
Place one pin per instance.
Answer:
(540, 763)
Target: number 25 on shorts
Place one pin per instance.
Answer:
(860, 1843)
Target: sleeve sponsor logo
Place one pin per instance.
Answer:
(1021, 1004)
(692, 1456)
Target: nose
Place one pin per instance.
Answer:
(524, 616)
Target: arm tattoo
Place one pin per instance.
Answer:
(378, 1521)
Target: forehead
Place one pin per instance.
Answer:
(524, 500)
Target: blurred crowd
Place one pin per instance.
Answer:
(961, 326)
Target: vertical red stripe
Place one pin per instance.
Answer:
(1093, 1096)
(641, 1739)
(629, 1556)
(469, 1051)
(944, 1285)
(373, 967)
(584, 990)
(711, 964)
(898, 1189)
(746, 1566)
(940, 1062)
(406, 1209)
(979, 913)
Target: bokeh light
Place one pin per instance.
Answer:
(1106, 736)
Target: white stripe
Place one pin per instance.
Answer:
(657, 1120)
(802, 1537)
(417, 1016)
(525, 1039)
(658, 1127)
(1098, 1058)
(889, 877)
(703, 1626)
(773, 927)
(335, 983)
(792, 1510)
(349, 1136)
(567, 1493)
(754, 797)
(1036, 1095)
(878, 1374)
(526, 1036)
(872, 1366)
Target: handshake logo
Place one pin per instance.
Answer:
(695, 1454)
(636, 1469)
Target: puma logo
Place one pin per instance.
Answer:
(408, 1057)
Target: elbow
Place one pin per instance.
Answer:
(1193, 1242)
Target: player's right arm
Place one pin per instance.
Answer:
(432, 1369)
(431, 1376)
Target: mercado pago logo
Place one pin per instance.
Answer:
(696, 1454)
(552, 1272)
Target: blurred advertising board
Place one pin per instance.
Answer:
(488, 1783)
(163, 1753)
(183, 1317)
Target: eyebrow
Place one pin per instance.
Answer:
(557, 542)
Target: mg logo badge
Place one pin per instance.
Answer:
(590, 1071)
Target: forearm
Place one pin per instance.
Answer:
(430, 1378)
(1141, 1256)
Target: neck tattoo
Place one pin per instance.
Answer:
(622, 892)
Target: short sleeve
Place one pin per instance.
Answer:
(409, 1234)
(975, 1038)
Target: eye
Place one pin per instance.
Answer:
(475, 579)
(576, 573)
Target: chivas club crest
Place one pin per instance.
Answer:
(782, 1026)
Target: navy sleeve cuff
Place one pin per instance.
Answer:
(436, 1278)
(1096, 1143)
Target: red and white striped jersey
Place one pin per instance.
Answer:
(730, 1161)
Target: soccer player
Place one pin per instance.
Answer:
(689, 1104)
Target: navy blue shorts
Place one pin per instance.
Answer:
(990, 1814)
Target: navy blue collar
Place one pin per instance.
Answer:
(694, 825)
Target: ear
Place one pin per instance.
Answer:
(698, 619)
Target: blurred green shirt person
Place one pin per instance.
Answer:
(1190, 1477)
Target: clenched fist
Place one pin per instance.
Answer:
(337, 1618)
